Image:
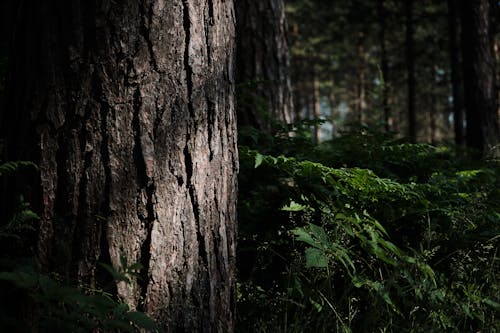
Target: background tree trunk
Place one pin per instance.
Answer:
(361, 98)
(456, 77)
(263, 64)
(316, 107)
(127, 107)
(479, 76)
(410, 69)
(384, 65)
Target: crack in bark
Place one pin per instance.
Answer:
(210, 123)
(210, 23)
(144, 31)
(105, 110)
(146, 184)
(187, 65)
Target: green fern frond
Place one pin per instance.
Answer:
(11, 166)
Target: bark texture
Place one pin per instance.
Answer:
(263, 64)
(127, 107)
(479, 77)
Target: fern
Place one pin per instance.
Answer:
(11, 166)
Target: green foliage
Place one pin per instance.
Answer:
(9, 167)
(66, 309)
(365, 234)
(20, 221)
(46, 301)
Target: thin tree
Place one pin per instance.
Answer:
(127, 107)
(263, 64)
(316, 106)
(479, 76)
(456, 77)
(361, 89)
(384, 64)
(410, 70)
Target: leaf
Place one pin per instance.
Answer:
(491, 303)
(22, 280)
(120, 325)
(48, 286)
(316, 258)
(319, 233)
(11, 166)
(258, 160)
(117, 275)
(142, 320)
(304, 236)
(316, 305)
(294, 207)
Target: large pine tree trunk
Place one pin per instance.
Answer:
(479, 76)
(263, 63)
(127, 107)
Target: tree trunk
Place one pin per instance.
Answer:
(495, 37)
(316, 107)
(410, 69)
(127, 107)
(479, 76)
(361, 98)
(496, 51)
(456, 78)
(384, 65)
(332, 100)
(263, 64)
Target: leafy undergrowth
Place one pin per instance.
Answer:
(32, 301)
(366, 234)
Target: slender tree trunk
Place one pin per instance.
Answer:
(384, 65)
(333, 104)
(456, 78)
(308, 93)
(410, 69)
(7, 26)
(434, 136)
(298, 86)
(361, 80)
(127, 107)
(316, 106)
(496, 50)
(479, 76)
(299, 90)
(263, 59)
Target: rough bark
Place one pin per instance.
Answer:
(263, 64)
(410, 70)
(479, 77)
(127, 107)
(456, 77)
